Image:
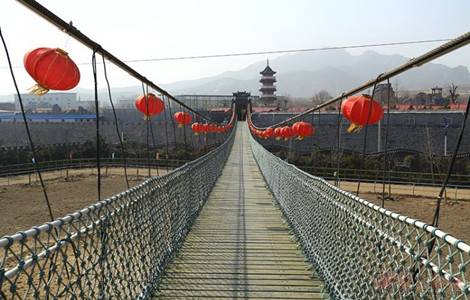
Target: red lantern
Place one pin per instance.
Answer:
(197, 128)
(150, 105)
(52, 69)
(182, 118)
(361, 110)
(278, 133)
(302, 130)
(268, 132)
(286, 132)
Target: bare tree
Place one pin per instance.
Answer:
(453, 93)
(321, 97)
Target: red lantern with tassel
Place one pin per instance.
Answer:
(150, 105)
(361, 111)
(302, 130)
(52, 69)
(182, 118)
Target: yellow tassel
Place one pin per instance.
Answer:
(180, 125)
(278, 138)
(300, 138)
(354, 128)
(196, 133)
(146, 117)
(38, 90)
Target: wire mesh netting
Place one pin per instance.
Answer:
(116, 248)
(361, 250)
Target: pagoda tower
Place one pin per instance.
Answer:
(267, 84)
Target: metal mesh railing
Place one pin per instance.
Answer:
(116, 248)
(361, 250)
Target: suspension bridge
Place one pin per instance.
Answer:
(238, 222)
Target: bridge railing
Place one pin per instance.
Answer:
(361, 250)
(116, 248)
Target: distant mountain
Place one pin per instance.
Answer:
(303, 74)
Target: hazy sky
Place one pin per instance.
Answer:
(147, 29)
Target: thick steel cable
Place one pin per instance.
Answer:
(385, 154)
(28, 131)
(123, 148)
(448, 47)
(366, 129)
(85, 40)
(97, 123)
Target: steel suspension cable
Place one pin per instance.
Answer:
(97, 123)
(147, 126)
(172, 121)
(166, 139)
(121, 142)
(385, 154)
(338, 142)
(28, 131)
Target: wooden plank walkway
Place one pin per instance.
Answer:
(239, 247)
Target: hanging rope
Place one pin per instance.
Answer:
(435, 221)
(385, 165)
(166, 138)
(147, 127)
(28, 131)
(121, 142)
(97, 122)
(172, 121)
(338, 142)
(364, 143)
(154, 144)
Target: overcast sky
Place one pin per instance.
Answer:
(151, 29)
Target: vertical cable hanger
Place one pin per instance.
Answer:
(364, 144)
(385, 153)
(28, 131)
(97, 123)
(121, 142)
(147, 126)
(435, 221)
(184, 130)
(338, 141)
(172, 121)
(166, 137)
(154, 145)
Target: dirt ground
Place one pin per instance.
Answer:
(22, 205)
(454, 214)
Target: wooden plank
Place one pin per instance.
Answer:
(239, 247)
